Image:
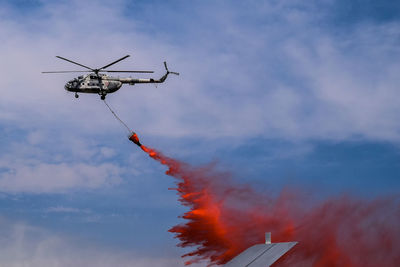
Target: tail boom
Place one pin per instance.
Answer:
(133, 81)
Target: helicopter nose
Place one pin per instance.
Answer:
(68, 86)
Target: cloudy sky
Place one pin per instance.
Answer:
(299, 94)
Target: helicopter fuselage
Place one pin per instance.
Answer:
(103, 84)
(94, 84)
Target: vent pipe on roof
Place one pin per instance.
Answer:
(267, 238)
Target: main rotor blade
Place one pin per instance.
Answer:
(66, 71)
(74, 63)
(122, 58)
(129, 71)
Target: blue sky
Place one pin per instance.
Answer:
(281, 93)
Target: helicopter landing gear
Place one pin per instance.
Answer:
(76, 95)
(102, 94)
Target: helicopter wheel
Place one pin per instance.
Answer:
(76, 95)
(103, 97)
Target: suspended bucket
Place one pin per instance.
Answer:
(134, 138)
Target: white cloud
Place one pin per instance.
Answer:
(45, 162)
(62, 209)
(24, 245)
(107, 152)
(35, 137)
(351, 94)
(50, 178)
(276, 76)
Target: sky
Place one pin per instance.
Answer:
(282, 94)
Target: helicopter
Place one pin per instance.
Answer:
(96, 82)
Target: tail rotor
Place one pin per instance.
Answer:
(168, 72)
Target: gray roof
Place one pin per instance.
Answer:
(261, 255)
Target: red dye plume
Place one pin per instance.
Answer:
(225, 218)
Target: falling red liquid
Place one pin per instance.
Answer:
(225, 218)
